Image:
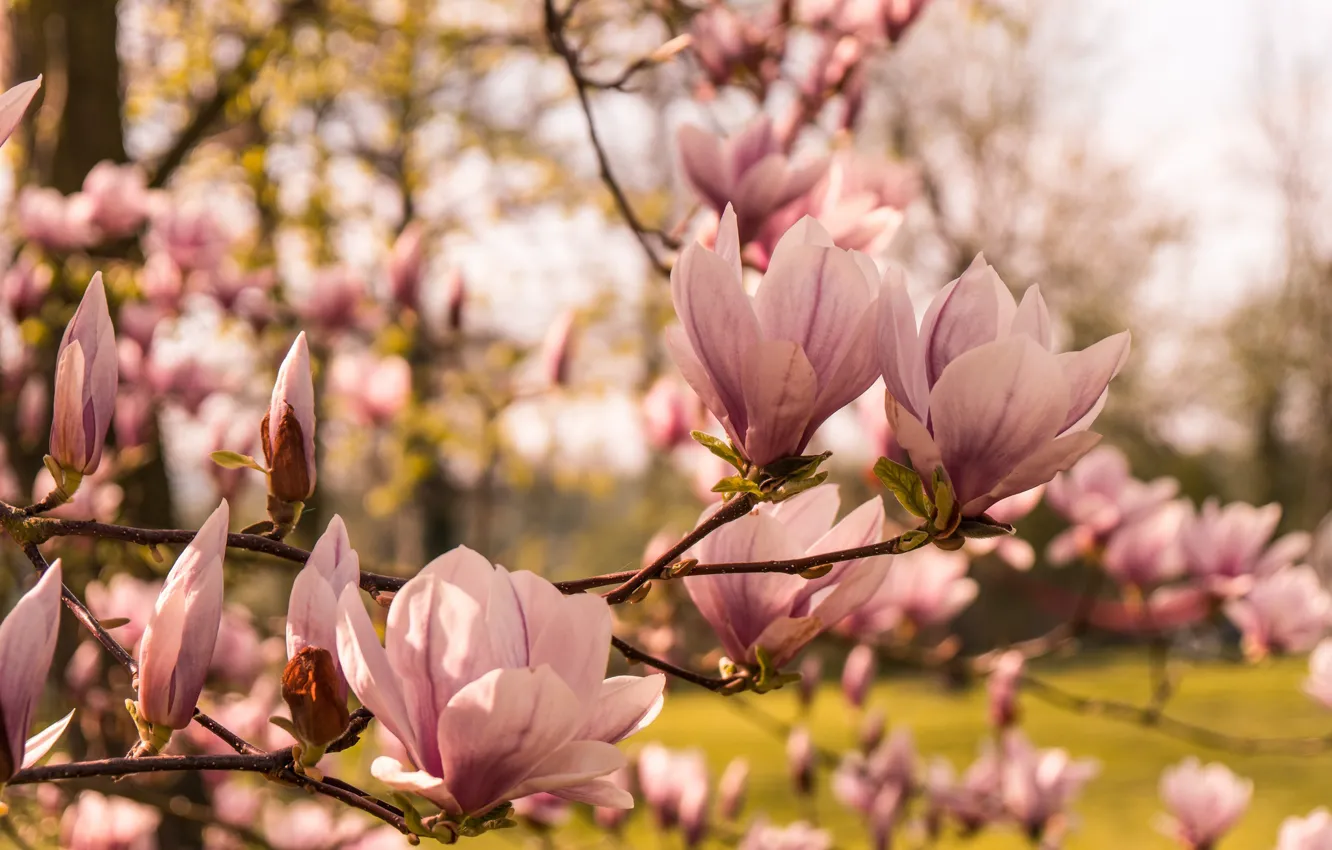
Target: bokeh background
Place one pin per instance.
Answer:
(1157, 166)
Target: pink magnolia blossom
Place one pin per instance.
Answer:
(1319, 683)
(871, 21)
(891, 768)
(405, 266)
(1010, 549)
(14, 103)
(246, 714)
(52, 220)
(800, 760)
(858, 674)
(1145, 552)
(978, 391)
(308, 825)
(1287, 611)
(725, 42)
(191, 234)
(334, 300)
(24, 285)
(374, 390)
(312, 612)
(1204, 802)
(675, 788)
(119, 196)
(543, 810)
(926, 587)
(97, 822)
(612, 818)
(124, 597)
(1097, 495)
(1039, 785)
(796, 836)
(869, 413)
(781, 613)
(288, 429)
(87, 372)
(1313, 832)
(859, 201)
(670, 411)
(493, 682)
(179, 637)
(732, 788)
(972, 801)
(1226, 547)
(27, 645)
(162, 281)
(1002, 689)
(181, 375)
(748, 172)
(772, 368)
(811, 677)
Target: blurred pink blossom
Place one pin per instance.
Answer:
(1319, 683)
(97, 822)
(1002, 689)
(1286, 611)
(1145, 552)
(973, 801)
(1312, 832)
(674, 785)
(374, 390)
(543, 810)
(797, 836)
(1010, 548)
(925, 588)
(162, 281)
(50, 219)
(670, 411)
(858, 674)
(1039, 785)
(861, 780)
(334, 299)
(190, 234)
(1204, 802)
(124, 597)
(732, 788)
(119, 197)
(800, 760)
(1097, 495)
(308, 825)
(24, 285)
(1226, 547)
(405, 266)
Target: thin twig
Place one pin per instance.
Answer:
(635, 654)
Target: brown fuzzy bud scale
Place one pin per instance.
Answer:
(310, 689)
(289, 476)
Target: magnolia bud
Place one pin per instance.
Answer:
(555, 350)
(1003, 689)
(732, 787)
(87, 371)
(288, 428)
(872, 729)
(800, 760)
(404, 266)
(858, 674)
(13, 103)
(310, 687)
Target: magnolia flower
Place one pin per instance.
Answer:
(724, 42)
(191, 234)
(406, 261)
(972, 801)
(858, 674)
(1002, 689)
(861, 780)
(732, 788)
(1204, 802)
(1012, 550)
(748, 172)
(492, 681)
(1039, 785)
(1097, 495)
(1307, 833)
(675, 788)
(773, 367)
(811, 676)
(777, 613)
(87, 372)
(308, 825)
(543, 810)
(14, 103)
(96, 822)
(178, 640)
(119, 197)
(288, 428)
(796, 836)
(1287, 611)
(50, 219)
(669, 412)
(925, 588)
(1225, 547)
(1145, 552)
(27, 645)
(123, 597)
(1319, 683)
(612, 818)
(800, 760)
(24, 285)
(977, 390)
(312, 612)
(372, 389)
(333, 299)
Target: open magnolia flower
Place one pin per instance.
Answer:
(774, 613)
(977, 391)
(773, 367)
(493, 683)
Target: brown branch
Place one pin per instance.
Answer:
(633, 653)
(732, 510)
(559, 43)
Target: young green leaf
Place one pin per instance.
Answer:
(946, 514)
(981, 527)
(719, 447)
(913, 539)
(904, 483)
(235, 460)
(737, 484)
(799, 486)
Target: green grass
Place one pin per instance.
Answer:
(1120, 807)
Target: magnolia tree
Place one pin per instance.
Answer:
(481, 697)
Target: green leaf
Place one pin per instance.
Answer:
(236, 460)
(904, 483)
(796, 467)
(946, 514)
(737, 484)
(719, 447)
(981, 527)
(795, 488)
(913, 539)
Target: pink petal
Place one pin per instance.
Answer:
(808, 516)
(704, 166)
(780, 387)
(914, 438)
(719, 320)
(992, 408)
(599, 792)
(572, 766)
(627, 705)
(728, 242)
(785, 637)
(392, 773)
(898, 344)
(334, 557)
(27, 644)
(294, 386)
(1033, 318)
(14, 103)
(691, 369)
(40, 744)
(1089, 372)
(975, 309)
(861, 527)
(1050, 459)
(497, 731)
(571, 634)
(69, 442)
(466, 569)
(369, 674)
(850, 376)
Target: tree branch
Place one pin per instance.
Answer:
(633, 653)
